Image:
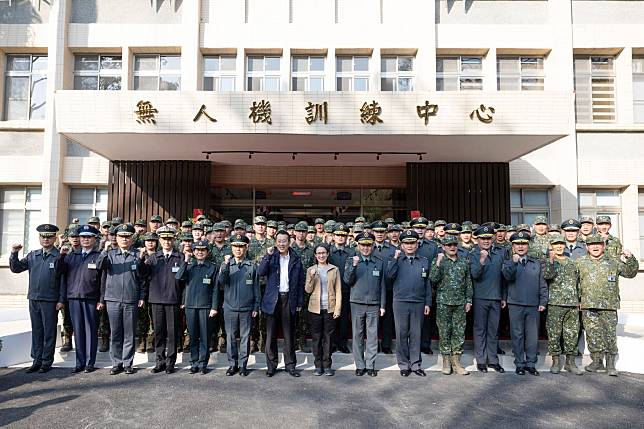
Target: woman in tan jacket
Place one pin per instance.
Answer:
(323, 283)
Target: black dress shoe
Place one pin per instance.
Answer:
(270, 372)
(204, 370)
(360, 372)
(89, 369)
(372, 373)
(520, 371)
(169, 369)
(293, 373)
(129, 370)
(194, 370)
(387, 351)
(116, 370)
(532, 371)
(405, 372)
(419, 372)
(244, 372)
(481, 368)
(497, 368)
(44, 369)
(232, 370)
(157, 369)
(500, 351)
(32, 368)
(77, 369)
(427, 350)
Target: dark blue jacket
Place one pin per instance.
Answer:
(45, 283)
(201, 285)
(241, 285)
(525, 285)
(338, 257)
(410, 277)
(124, 280)
(82, 278)
(163, 286)
(428, 249)
(577, 252)
(487, 280)
(270, 267)
(367, 281)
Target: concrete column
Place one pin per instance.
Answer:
(127, 69)
(191, 64)
(630, 228)
(329, 70)
(285, 70)
(240, 66)
(374, 70)
(624, 86)
(489, 70)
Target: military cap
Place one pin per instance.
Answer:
(360, 219)
(249, 228)
(586, 219)
(240, 224)
(125, 230)
(329, 225)
(349, 224)
(390, 221)
(208, 229)
(310, 229)
(201, 244)
(452, 228)
(226, 223)
(466, 228)
(571, 225)
(419, 222)
(117, 221)
(523, 227)
(594, 239)
(467, 222)
(219, 226)
(72, 230)
(198, 226)
(357, 228)
(271, 224)
(365, 238)
(87, 231)
(553, 227)
(166, 232)
(93, 219)
(440, 222)
(511, 228)
(282, 225)
(449, 239)
(475, 226)
(520, 237)
(500, 227)
(405, 225)
(319, 221)
(557, 238)
(112, 230)
(107, 223)
(540, 220)
(367, 225)
(485, 231)
(260, 220)
(186, 224)
(379, 226)
(409, 236)
(201, 217)
(140, 222)
(172, 220)
(156, 218)
(302, 227)
(206, 222)
(186, 236)
(340, 229)
(395, 227)
(239, 240)
(290, 226)
(150, 236)
(430, 225)
(602, 219)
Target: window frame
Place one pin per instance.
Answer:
(595, 210)
(219, 74)
(29, 74)
(262, 74)
(592, 77)
(158, 73)
(460, 75)
(353, 75)
(638, 76)
(521, 76)
(308, 75)
(25, 207)
(93, 207)
(523, 210)
(100, 72)
(398, 74)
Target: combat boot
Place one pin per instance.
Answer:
(140, 344)
(447, 366)
(150, 344)
(222, 344)
(597, 364)
(67, 343)
(556, 365)
(571, 366)
(104, 344)
(456, 364)
(610, 365)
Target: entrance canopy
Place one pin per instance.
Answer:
(263, 128)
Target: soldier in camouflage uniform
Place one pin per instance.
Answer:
(540, 238)
(587, 227)
(451, 274)
(599, 289)
(256, 251)
(305, 251)
(465, 242)
(140, 227)
(439, 231)
(613, 245)
(310, 234)
(144, 329)
(562, 320)
(219, 248)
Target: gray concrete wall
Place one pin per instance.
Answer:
(126, 11)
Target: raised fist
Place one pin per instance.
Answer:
(16, 247)
(439, 258)
(397, 253)
(484, 254)
(270, 250)
(356, 259)
(516, 257)
(226, 259)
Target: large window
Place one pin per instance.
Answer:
(25, 87)
(459, 73)
(526, 204)
(594, 89)
(638, 90)
(19, 217)
(157, 72)
(352, 73)
(262, 73)
(641, 219)
(397, 73)
(519, 73)
(87, 202)
(219, 73)
(97, 72)
(307, 73)
(606, 202)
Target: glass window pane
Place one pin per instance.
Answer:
(111, 62)
(271, 84)
(529, 217)
(32, 220)
(405, 84)
(102, 214)
(638, 65)
(110, 83)
(146, 83)
(227, 83)
(81, 215)
(34, 197)
(515, 198)
(88, 83)
(169, 83)
(38, 96)
(19, 63)
(254, 84)
(81, 196)
(298, 84)
(515, 218)
(170, 62)
(255, 64)
(344, 64)
(608, 198)
(361, 63)
(388, 64)
(641, 218)
(39, 64)
(316, 84)
(586, 199)
(471, 64)
(13, 195)
(535, 198)
(86, 62)
(227, 63)
(405, 63)
(361, 84)
(16, 96)
(209, 83)
(531, 64)
(317, 64)
(12, 230)
(387, 84)
(471, 84)
(272, 63)
(300, 64)
(145, 63)
(638, 87)
(640, 201)
(601, 64)
(532, 84)
(210, 64)
(447, 65)
(508, 83)
(507, 65)
(446, 84)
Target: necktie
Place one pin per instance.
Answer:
(167, 257)
(523, 261)
(125, 253)
(45, 254)
(84, 255)
(572, 246)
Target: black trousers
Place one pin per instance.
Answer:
(85, 318)
(44, 319)
(387, 322)
(322, 328)
(343, 328)
(166, 324)
(281, 316)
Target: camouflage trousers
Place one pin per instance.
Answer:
(601, 330)
(103, 323)
(258, 327)
(302, 328)
(562, 323)
(68, 329)
(219, 326)
(144, 322)
(450, 320)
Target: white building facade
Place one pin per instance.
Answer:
(565, 80)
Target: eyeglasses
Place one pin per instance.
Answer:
(321, 253)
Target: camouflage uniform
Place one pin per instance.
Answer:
(302, 328)
(562, 319)
(613, 246)
(453, 291)
(540, 243)
(256, 251)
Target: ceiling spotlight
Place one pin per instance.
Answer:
(378, 156)
(207, 156)
(420, 156)
(293, 157)
(335, 156)
(250, 155)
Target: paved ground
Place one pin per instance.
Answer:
(60, 400)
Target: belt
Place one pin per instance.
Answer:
(283, 293)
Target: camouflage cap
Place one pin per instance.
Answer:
(586, 219)
(72, 230)
(226, 223)
(186, 224)
(219, 226)
(172, 220)
(553, 227)
(201, 217)
(466, 229)
(430, 225)
(250, 229)
(358, 228)
(239, 224)
(319, 221)
(156, 218)
(440, 222)
(112, 230)
(500, 227)
(150, 236)
(520, 237)
(540, 220)
(140, 222)
(594, 239)
(198, 226)
(93, 219)
(302, 227)
(390, 221)
(557, 238)
(290, 226)
(311, 228)
(186, 236)
(523, 227)
(510, 228)
(349, 225)
(360, 219)
(405, 225)
(571, 225)
(260, 220)
(467, 222)
(117, 221)
(449, 239)
(107, 224)
(271, 224)
(602, 219)
(206, 222)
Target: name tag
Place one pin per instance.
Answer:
(206, 281)
(424, 273)
(612, 278)
(249, 281)
(376, 273)
(51, 265)
(175, 269)
(133, 267)
(91, 266)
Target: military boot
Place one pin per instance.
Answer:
(456, 364)
(140, 344)
(67, 343)
(104, 343)
(555, 368)
(571, 366)
(222, 344)
(150, 344)
(447, 366)
(597, 364)
(610, 365)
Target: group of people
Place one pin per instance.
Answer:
(331, 281)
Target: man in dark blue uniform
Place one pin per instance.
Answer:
(339, 255)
